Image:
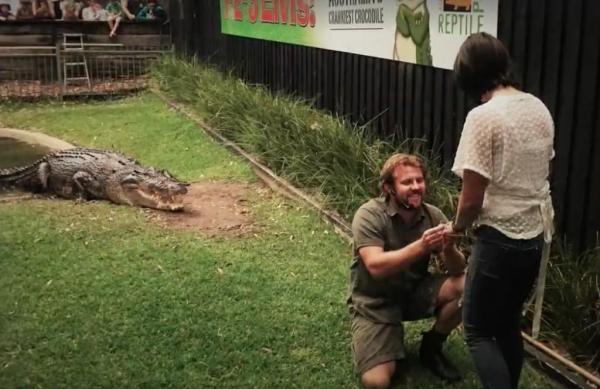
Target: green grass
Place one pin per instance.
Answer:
(139, 127)
(95, 295)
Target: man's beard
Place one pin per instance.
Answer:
(409, 205)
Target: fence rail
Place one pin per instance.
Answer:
(28, 72)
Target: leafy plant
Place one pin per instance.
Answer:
(572, 302)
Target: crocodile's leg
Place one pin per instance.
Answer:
(44, 174)
(87, 185)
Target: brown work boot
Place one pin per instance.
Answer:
(431, 357)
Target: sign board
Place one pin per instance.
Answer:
(426, 32)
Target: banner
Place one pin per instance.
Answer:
(426, 32)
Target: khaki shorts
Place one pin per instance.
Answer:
(377, 343)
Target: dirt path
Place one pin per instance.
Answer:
(213, 208)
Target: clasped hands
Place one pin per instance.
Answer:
(439, 238)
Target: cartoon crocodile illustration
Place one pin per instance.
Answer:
(412, 41)
(81, 173)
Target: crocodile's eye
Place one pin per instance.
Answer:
(130, 181)
(167, 174)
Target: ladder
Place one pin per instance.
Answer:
(75, 67)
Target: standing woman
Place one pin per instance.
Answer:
(503, 159)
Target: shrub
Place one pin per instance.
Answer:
(321, 153)
(571, 315)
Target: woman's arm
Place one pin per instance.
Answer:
(470, 200)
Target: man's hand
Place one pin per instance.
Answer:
(450, 236)
(382, 263)
(433, 239)
(453, 259)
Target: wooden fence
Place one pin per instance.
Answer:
(556, 48)
(135, 34)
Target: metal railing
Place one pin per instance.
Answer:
(38, 71)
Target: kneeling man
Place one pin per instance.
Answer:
(395, 237)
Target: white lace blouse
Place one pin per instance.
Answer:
(509, 140)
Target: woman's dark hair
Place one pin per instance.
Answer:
(482, 64)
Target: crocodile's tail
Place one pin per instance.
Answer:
(26, 177)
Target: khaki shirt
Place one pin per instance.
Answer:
(377, 223)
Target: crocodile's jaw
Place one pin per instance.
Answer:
(171, 203)
(176, 205)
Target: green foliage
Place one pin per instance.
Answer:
(314, 150)
(571, 315)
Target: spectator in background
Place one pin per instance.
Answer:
(25, 11)
(115, 15)
(70, 9)
(126, 12)
(135, 6)
(56, 7)
(152, 11)
(43, 9)
(5, 13)
(94, 11)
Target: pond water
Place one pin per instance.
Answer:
(13, 152)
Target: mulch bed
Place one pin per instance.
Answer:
(35, 89)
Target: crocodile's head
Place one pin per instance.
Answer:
(147, 188)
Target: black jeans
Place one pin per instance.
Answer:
(500, 276)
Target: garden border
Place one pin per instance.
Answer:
(569, 372)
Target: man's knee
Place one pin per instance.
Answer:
(456, 287)
(379, 377)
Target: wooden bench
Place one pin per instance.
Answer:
(140, 34)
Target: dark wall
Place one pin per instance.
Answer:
(556, 48)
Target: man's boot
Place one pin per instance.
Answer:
(431, 356)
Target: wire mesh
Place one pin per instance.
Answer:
(53, 72)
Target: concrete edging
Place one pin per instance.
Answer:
(36, 138)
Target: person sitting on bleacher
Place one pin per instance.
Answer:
(25, 11)
(94, 11)
(5, 13)
(152, 11)
(43, 9)
(116, 13)
(70, 9)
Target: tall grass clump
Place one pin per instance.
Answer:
(572, 302)
(319, 152)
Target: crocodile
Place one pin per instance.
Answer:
(89, 174)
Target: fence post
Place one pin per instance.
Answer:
(59, 70)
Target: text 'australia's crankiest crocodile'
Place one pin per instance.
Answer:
(89, 174)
